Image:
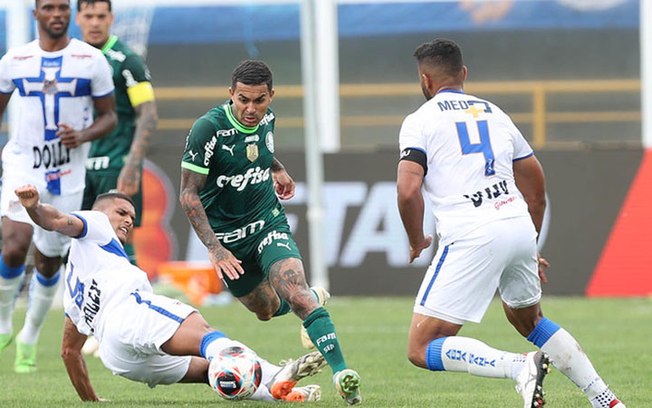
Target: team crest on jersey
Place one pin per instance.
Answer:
(269, 141)
(252, 152)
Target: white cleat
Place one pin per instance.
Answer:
(307, 393)
(322, 298)
(529, 382)
(287, 377)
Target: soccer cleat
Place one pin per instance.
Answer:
(5, 340)
(25, 358)
(91, 347)
(292, 371)
(347, 383)
(529, 382)
(308, 393)
(322, 298)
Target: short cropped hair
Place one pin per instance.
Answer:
(36, 3)
(252, 72)
(113, 194)
(441, 53)
(91, 3)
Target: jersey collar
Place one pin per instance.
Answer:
(241, 128)
(109, 43)
(458, 91)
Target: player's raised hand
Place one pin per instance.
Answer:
(415, 251)
(28, 196)
(225, 263)
(283, 184)
(69, 136)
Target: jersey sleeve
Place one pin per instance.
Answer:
(102, 81)
(410, 135)
(200, 147)
(97, 227)
(138, 80)
(522, 148)
(6, 84)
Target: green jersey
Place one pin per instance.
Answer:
(132, 87)
(238, 196)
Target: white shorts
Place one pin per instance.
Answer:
(464, 275)
(49, 243)
(131, 346)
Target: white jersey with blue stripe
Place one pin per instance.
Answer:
(99, 276)
(470, 146)
(52, 88)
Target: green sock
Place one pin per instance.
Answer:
(284, 308)
(131, 253)
(321, 330)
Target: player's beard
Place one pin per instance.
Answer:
(58, 33)
(426, 92)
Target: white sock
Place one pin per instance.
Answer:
(568, 357)
(8, 293)
(603, 400)
(464, 354)
(41, 296)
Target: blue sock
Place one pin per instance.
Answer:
(207, 340)
(433, 355)
(10, 272)
(542, 332)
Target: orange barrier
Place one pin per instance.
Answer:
(196, 279)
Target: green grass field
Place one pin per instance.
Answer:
(614, 332)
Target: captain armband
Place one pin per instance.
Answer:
(415, 155)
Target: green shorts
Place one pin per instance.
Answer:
(258, 253)
(101, 181)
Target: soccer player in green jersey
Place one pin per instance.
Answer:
(116, 162)
(230, 189)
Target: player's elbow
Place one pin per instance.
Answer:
(536, 202)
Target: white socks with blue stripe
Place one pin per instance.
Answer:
(464, 354)
(10, 281)
(41, 296)
(568, 357)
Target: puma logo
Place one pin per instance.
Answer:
(193, 155)
(286, 245)
(229, 149)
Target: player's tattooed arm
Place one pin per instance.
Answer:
(47, 216)
(222, 259)
(283, 184)
(130, 175)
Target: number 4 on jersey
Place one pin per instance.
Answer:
(483, 147)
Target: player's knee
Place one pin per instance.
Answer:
(14, 252)
(416, 356)
(264, 315)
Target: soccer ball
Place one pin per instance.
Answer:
(235, 373)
